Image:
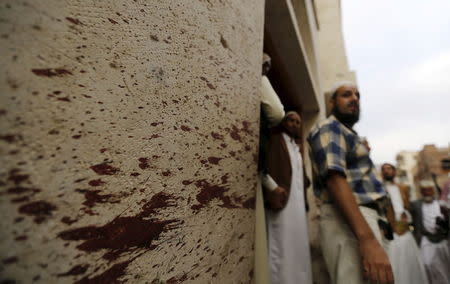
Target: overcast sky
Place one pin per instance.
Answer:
(400, 50)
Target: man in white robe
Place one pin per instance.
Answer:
(272, 113)
(402, 250)
(431, 230)
(289, 254)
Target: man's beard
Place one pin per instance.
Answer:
(345, 118)
(388, 178)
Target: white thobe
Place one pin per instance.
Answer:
(436, 256)
(289, 255)
(403, 251)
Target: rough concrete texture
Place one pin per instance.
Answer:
(128, 140)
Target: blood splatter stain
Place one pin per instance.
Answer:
(93, 196)
(209, 192)
(214, 160)
(126, 234)
(67, 220)
(217, 136)
(76, 270)
(39, 209)
(96, 182)
(104, 169)
(74, 21)
(249, 203)
(50, 72)
(144, 163)
(185, 128)
(10, 260)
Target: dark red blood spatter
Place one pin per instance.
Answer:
(74, 21)
(249, 203)
(39, 209)
(10, 260)
(16, 177)
(112, 21)
(93, 197)
(10, 138)
(103, 150)
(18, 190)
(76, 270)
(21, 238)
(111, 275)
(234, 133)
(217, 136)
(67, 220)
(135, 174)
(158, 201)
(104, 169)
(167, 173)
(225, 178)
(209, 192)
(126, 234)
(176, 280)
(153, 136)
(186, 182)
(214, 160)
(245, 127)
(185, 128)
(144, 163)
(50, 72)
(67, 99)
(96, 182)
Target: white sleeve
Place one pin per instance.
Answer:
(271, 104)
(268, 182)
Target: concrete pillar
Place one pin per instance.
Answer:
(129, 140)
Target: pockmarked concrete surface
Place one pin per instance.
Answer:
(129, 140)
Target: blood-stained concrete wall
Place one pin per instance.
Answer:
(128, 140)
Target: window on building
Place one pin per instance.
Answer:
(445, 164)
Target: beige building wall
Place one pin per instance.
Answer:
(129, 139)
(406, 169)
(429, 164)
(332, 54)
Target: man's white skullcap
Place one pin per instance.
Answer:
(291, 112)
(329, 94)
(426, 184)
(337, 85)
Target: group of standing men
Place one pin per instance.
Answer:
(364, 222)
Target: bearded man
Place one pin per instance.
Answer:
(284, 186)
(353, 199)
(431, 230)
(403, 251)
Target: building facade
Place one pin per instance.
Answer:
(433, 164)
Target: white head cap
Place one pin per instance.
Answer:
(426, 183)
(337, 85)
(332, 91)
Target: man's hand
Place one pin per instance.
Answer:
(277, 198)
(401, 226)
(376, 265)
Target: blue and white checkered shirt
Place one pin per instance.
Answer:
(338, 148)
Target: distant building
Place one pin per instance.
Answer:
(406, 169)
(433, 163)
